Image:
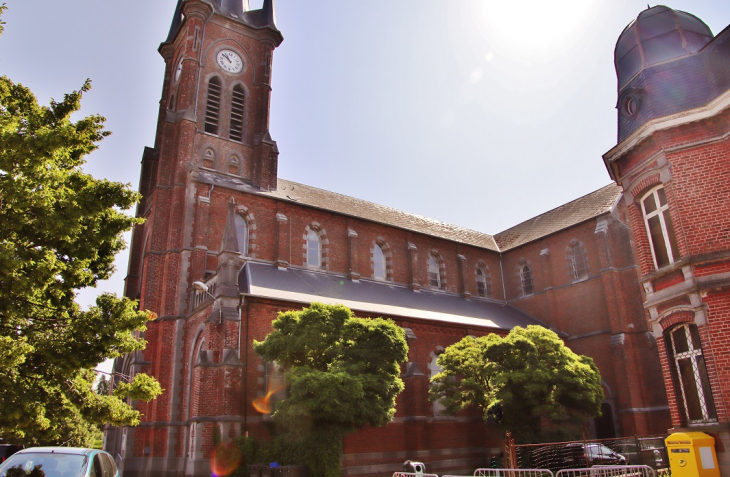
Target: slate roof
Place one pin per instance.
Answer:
(582, 209)
(572, 213)
(380, 298)
(328, 200)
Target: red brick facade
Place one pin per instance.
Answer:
(683, 154)
(591, 271)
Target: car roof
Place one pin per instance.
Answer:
(60, 450)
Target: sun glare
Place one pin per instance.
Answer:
(263, 404)
(532, 30)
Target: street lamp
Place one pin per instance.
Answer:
(200, 286)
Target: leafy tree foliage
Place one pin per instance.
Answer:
(343, 373)
(519, 381)
(103, 386)
(60, 231)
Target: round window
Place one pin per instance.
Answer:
(631, 106)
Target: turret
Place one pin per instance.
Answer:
(664, 65)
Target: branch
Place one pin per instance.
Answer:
(127, 378)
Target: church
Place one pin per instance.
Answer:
(635, 275)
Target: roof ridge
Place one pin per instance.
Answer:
(429, 219)
(535, 217)
(570, 214)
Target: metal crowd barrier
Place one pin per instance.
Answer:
(488, 472)
(595, 471)
(411, 474)
(609, 471)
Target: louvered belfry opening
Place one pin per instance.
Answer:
(237, 105)
(213, 108)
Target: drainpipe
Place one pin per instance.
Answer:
(501, 272)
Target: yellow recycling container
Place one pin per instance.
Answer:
(692, 454)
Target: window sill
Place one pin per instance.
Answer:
(666, 270)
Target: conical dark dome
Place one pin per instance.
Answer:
(658, 34)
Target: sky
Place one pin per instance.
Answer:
(480, 113)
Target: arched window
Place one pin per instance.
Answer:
(690, 374)
(578, 262)
(526, 280)
(314, 250)
(434, 273)
(380, 271)
(484, 286)
(237, 103)
(213, 107)
(242, 234)
(659, 227)
(233, 165)
(209, 158)
(433, 370)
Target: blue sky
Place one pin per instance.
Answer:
(476, 112)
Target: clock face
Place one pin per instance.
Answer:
(229, 61)
(178, 70)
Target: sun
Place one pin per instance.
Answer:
(534, 30)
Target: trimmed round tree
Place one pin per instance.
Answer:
(527, 382)
(342, 373)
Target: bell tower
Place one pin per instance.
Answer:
(217, 88)
(213, 126)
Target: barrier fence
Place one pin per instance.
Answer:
(489, 472)
(609, 471)
(412, 474)
(595, 471)
(624, 451)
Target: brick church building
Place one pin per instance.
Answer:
(635, 275)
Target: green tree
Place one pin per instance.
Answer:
(3, 7)
(342, 372)
(60, 231)
(520, 382)
(103, 386)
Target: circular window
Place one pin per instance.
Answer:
(631, 106)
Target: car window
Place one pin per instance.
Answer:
(96, 467)
(107, 466)
(47, 464)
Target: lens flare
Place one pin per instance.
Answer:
(225, 459)
(263, 404)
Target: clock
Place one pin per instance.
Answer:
(178, 70)
(229, 61)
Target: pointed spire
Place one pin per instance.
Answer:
(265, 17)
(177, 19)
(230, 237)
(269, 13)
(234, 7)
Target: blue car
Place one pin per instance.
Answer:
(59, 462)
